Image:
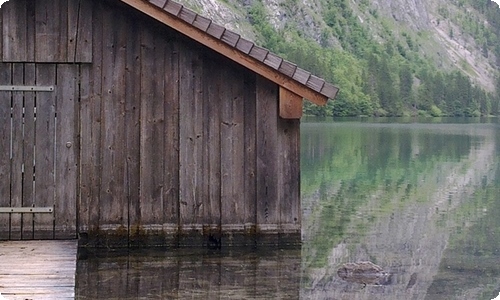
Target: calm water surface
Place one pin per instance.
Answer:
(419, 199)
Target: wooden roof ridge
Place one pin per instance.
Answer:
(237, 48)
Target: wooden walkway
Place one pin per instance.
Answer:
(38, 269)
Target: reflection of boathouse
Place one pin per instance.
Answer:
(141, 122)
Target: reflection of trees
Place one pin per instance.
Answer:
(392, 206)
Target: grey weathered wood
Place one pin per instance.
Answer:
(113, 201)
(84, 33)
(212, 113)
(5, 138)
(47, 24)
(244, 45)
(45, 152)
(29, 153)
(230, 38)
(202, 23)
(67, 146)
(172, 117)
(159, 3)
(133, 127)
(173, 7)
(16, 165)
(315, 83)
(250, 153)
(267, 156)
(191, 139)
(84, 156)
(258, 53)
(330, 90)
(301, 75)
(152, 134)
(38, 269)
(79, 37)
(15, 40)
(215, 30)
(287, 68)
(232, 148)
(187, 15)
(273, 61)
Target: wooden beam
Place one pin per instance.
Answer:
(226, 50)
(290, 104)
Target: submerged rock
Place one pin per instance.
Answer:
(364, 272)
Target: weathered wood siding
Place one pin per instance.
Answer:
(177, 144)
(47, 31)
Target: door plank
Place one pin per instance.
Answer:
(29, 150)
(45, 152)
(16, 166)
(5, 136)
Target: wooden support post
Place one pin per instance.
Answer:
(290, 104)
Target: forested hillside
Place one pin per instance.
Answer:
(388, 57)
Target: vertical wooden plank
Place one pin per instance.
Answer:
(16, 166)
(66, 151)
(29, 150)
(290, 104)
(50, 34)
(30, 31)
(86, 159)
(91, 133)
(250, 157)
(113, 200)
(191, 141)
(232, 153)
(45, 152)
(267, 159)
(79, 45)
(133, 128)
(15, 43)
(84, 32)
(152, 134)
(212, 113)
(60, 36)
(73, 20)
(289, 180)
(171, 177)
(5, 138)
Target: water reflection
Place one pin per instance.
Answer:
(406, 197)
(418, 200)
(190, 274)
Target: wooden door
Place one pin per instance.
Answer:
(38, 151)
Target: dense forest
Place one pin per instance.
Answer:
(389, 78)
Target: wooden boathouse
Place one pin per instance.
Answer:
(135, 122)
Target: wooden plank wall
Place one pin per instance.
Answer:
(47, 31)
(177, 144)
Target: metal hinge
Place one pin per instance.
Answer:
(27, 210)
(26, 88)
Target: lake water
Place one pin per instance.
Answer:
(419, 199)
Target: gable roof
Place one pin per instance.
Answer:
(238, 49)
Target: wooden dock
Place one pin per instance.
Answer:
(38, 269)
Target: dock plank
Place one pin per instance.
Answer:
(38, 269)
